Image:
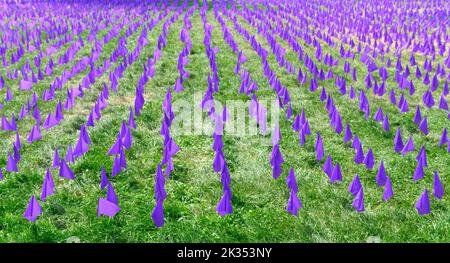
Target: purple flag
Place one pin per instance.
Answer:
(47, 186)
(424, 126)
(25, 85)
(291, 181)
(417, 115)
(369, 160)
(35, 134)
(69, 155)
(104, 179)
(381, 175)
(111, 195)
(444, 139)
(438, 191)
(356, 142)
(276, 137)
(386, 125)
(158, 214)
(355, 186)
(388, 193)
(56, 159)
(115, 149)
(81, 148)
(409, 146)
(107, 208)
(422, 156)
(423, 203)
(225, 207)
(336, 175)
(131, 122)
(348, 133)
(418, 173)
(319, 148)
(294, 204)
(33, 210)
(328, 166)
(117, 168)
(11, 165)
(358, 203)
(276, 161)
(398, 142)
(65, 171)
(359, 155)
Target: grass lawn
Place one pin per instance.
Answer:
(194, 189)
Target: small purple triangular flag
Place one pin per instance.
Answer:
(65, 171)
(388, 193)
(358, 203)
(47, 186)
(33, 210)
(158, 214)
(423, 203)
(438, 190)
(355, 186)
(107, 208)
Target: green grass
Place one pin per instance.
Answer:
(194, 189)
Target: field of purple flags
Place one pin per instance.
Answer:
(239, 120)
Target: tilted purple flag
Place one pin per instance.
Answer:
(115, 149)
(107, 208)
